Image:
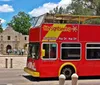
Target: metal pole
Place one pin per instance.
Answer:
(6, 63)
(11, 63)
(62, 79)
(74, 79)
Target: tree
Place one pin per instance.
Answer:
(84, 7)
(80, 7)
(1, 29)
(57, 10)
(21, 22)
(95, 5)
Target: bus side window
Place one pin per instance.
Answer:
(70, 51)
(93, 51)
(53, 51)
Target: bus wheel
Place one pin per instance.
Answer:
(68, 71)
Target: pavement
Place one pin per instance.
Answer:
(13, 77)
(18, 61)
(17, 76)
(11, 55)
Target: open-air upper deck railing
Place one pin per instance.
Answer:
(66, 19)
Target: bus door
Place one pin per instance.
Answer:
(33, 54)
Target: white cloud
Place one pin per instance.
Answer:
(64, 3)
(6, 8)
(2, 20)
(5, 0)
(43, 9)
(48, 6)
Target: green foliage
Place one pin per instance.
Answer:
(57, 10)
(1, 29)
(21, 22)
(93, 21)
(86, 7)
(81, 7)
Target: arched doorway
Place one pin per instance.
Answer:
(8, 47)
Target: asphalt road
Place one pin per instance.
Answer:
(19, 77)
(13, 77)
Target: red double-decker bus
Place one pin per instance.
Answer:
(63, 44)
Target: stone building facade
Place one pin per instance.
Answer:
(10, 39)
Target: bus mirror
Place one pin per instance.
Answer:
(43, 52)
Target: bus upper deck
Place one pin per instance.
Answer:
(65, 19)
(63, 27)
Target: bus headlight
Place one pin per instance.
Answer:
(31, 66)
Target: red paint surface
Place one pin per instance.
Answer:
(84, 34)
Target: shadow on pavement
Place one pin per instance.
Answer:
(89, 77)
(31, 78)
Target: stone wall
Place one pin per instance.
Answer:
(18, 62)
(10, 39)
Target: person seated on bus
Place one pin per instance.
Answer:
(53, 52)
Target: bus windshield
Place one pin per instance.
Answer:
(34, 50)
(37, 21)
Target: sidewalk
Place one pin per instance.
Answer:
(13, 55)
(16, 77)
(18, 62)
(89, 82)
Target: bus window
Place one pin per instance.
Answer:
(46, 48)
(70, 51)
(93, 51)
(34, 50)
(50, 51)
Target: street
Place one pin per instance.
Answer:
(19, 77)
(12, 76)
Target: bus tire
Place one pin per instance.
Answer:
(67, 71)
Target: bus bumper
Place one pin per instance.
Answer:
(31, 72)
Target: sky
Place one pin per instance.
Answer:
(10, 8)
